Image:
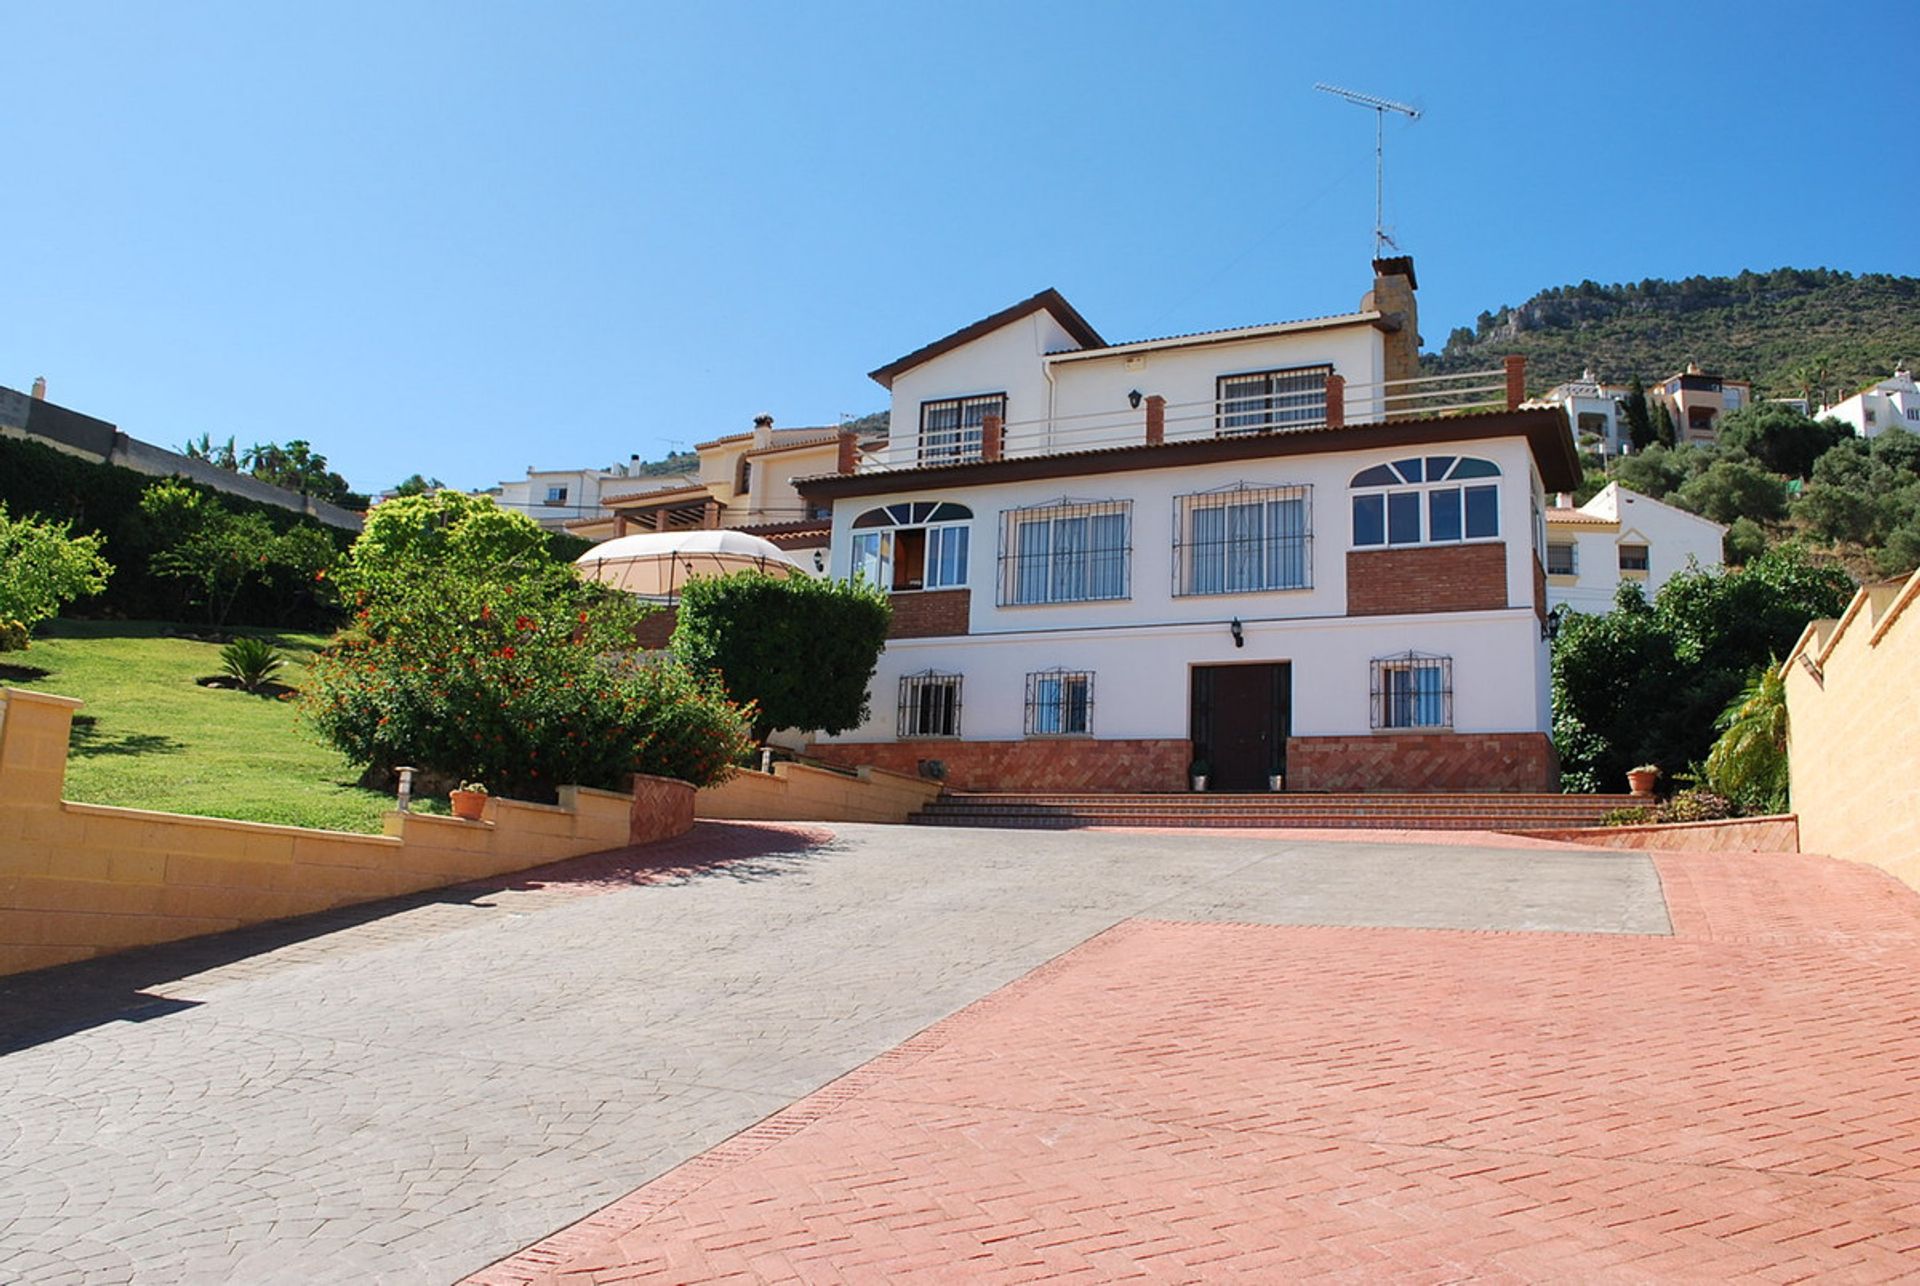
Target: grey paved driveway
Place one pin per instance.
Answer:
(410, 1092)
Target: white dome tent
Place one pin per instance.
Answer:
(656, 564)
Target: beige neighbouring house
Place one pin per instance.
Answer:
(1853, 735)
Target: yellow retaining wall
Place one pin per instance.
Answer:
(802, 793)
(80, 880)
(1853, 738)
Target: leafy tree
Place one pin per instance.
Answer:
(801, 650)
(1731, 489)
(44, 567)
(1744, 542)
(1639, 419)
(1748, 764)
(1645, 684)
(221, 456)
(1898, 450)
(1837, 512)
(1657, 471)
(1663, 430)
(298, 467)
(448, 530)
(224, 554)
(1901, 554)
(524, 680)
(1780, 438)
(415, 485)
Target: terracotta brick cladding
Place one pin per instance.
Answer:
(1039, 764)
(1432, 578)
(1519, 761)
(934, 613)
(1539, 589)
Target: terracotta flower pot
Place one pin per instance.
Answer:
(1641, 783)
(467, 804)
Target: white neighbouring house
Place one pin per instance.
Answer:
(1621, 535)
(555, 498)
(1594, 413)
(1273, 549)
(1890, 404)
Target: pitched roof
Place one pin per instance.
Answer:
(1559, 515)
(1049, 299)
(1232, 334)
(658, 493)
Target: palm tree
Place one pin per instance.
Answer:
(1749, 761)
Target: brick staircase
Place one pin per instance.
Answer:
(1436, 811)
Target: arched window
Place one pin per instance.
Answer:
(916, 544)
(1426, 500)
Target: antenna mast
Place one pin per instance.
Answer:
(1380, 106)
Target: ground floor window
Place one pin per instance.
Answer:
(930, 705)
(1413, 690)
(1059, 703)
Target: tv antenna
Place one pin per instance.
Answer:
(1380, 106)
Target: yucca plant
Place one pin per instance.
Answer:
(251, 662)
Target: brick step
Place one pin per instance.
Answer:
(1252, 821)
(1255, 806)
(1221, 798)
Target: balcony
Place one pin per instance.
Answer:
(1328, 402)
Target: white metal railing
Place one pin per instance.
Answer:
(1282, 411)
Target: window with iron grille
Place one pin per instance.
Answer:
(1436, 499)
(1413, 690)
(1262, 400)
(1633, 558)
(951, 429)
(1562, 559)
(1242, 539)
(1067, 551)
(930, 705)
(1059, 703)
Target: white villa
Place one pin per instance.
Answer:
(1273, 550)
(1890, 404)
(1594, 413)
(1621, 535)
(555, 498)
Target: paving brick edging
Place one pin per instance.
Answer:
(1775, 834)
(546, 1256)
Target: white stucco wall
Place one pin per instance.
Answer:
(1141, 647)
(1006, 360)
(1675, 540)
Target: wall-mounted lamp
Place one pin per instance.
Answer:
(819, 562)
(1239, 634)
(1550, 623)
(1133, 399)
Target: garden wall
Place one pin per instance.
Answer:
(1779, 834)
(81, 880)
(802, 793)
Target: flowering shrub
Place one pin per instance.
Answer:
(524, 685)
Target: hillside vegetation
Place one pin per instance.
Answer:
(1791, 331)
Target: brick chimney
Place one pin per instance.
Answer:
(1392, 296)
(39, 388)
(762, 432)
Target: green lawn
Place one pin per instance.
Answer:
(150, 737)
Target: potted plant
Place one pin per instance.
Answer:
(469, 801)
(1197, 774)
(1640, 780)
(1276, 782)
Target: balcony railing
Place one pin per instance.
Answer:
(1333, 404)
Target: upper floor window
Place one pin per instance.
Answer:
(1426, 500)
(1242, 539)
(951, 429)
(744, 478)
(1562, 559)
(556, 495)
(1633, 558)
(929, 705)
(1261, 400)
(917, 544)
(1413, 690)
(1059, 703)
(1066, 552)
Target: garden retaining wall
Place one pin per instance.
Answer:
(1779, 834)
(81, 880)
(802, 793)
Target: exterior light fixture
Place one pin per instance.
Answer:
(1550, 624)
(1239, 634)
(1133, 399)
(405, 801)
(819, 561)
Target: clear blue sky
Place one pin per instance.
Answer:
(468, 237)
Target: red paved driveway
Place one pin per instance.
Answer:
(1190, 1101)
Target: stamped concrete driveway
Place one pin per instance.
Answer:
(413, 1091)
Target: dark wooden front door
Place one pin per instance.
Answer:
(1240, 723)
